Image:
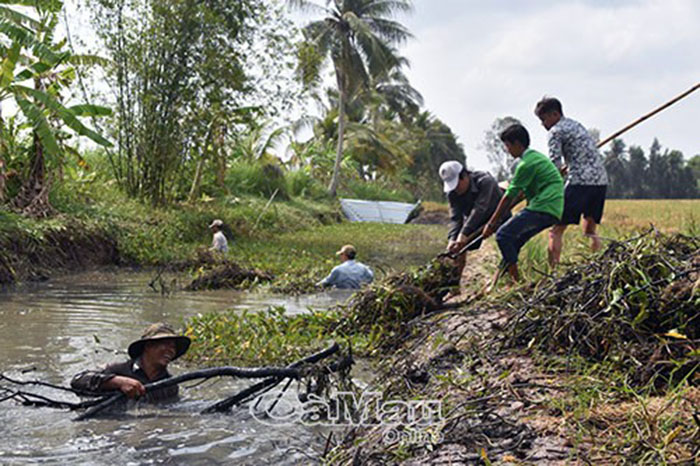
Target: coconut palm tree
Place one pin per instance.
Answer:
(357, 37)
(391, 97)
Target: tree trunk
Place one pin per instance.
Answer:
(194, 191)
(33, 197)
(220, 157)
(341, 134)
(2, 179)
(2, 160)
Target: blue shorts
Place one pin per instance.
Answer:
(513, 234)
(583, 199)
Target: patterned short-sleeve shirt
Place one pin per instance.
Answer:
(570, 141)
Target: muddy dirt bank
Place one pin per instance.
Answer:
(35, 257)
(432, 217)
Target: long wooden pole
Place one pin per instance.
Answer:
(649, 115)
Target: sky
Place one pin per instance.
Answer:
(608, 62)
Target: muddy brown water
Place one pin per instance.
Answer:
(51, 330)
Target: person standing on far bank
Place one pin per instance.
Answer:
(574, 152)
(219, 242)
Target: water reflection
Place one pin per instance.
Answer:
(51, 330)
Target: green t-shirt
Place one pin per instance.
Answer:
(539, 178)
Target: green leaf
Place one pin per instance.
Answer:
(27, 38)
(88, 60)
(40, 124)
(90, 110)
(8, 65)
(617, 296)
(16, 16)
(65, 114)
(18, 2)
(640, 317)
(29, 73)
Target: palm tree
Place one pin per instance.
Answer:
(357, 36)
(391, 96)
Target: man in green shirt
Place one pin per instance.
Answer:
(538, 179)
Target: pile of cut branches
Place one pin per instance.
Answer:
(637, 306)
(228, 275)
(297, 283)
(384, 308)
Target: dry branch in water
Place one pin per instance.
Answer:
(272, 375)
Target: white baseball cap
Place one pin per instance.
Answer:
(449, 172)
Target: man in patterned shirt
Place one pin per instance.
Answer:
(574, 152)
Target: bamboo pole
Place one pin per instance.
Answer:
(649, 115)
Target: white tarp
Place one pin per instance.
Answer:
(357, 210)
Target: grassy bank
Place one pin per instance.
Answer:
(141, 234)
(294, 239)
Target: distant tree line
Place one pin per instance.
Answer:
(658, 175)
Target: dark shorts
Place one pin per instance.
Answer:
(586, 200)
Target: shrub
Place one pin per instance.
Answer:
(258, 179)
(300, 183)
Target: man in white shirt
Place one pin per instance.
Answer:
(350, 274)
(219, 242)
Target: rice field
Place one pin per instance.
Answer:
(668, 215)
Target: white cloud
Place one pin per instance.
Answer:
(608, 61)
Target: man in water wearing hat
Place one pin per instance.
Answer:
(473, 197)
(350, 274)
(219, 242)
(159, 346)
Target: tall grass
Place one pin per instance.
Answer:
(300, 183)
(533, 262)
(257, 179)
(375, 191)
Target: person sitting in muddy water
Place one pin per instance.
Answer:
(538, 178)
(473, 197)
(219, 242)
(350, 274)
(149, 358)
